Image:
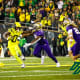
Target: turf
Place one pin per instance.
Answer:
(35, 71)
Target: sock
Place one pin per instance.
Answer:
(42, 59)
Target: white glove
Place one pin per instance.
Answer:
(19, 38)
(32, 21)
(27, 44)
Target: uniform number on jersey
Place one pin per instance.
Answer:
(76, 31)
(14, 38)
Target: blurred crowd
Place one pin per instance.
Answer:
(48, 12)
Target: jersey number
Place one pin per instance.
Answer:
(77, 31)
(14, 38)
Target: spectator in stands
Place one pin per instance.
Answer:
(77, 15)
(65, 44)
(30, 8)
(21, 4)
(39, 5)
(38, 16)
(27, 17)
(43, 3)
(22, 41)
(61, 49)
(69, 13)
(60, 11)
(34, 2)
(49, 22)
(33, 16)
(7, 10)
(51, 16)
(78, 24)
(65, 4)
(22, 17)
(12, 13)
(9, 3)
(51, 6)
(1, 15)
(36, 7)
(60, 4)
(44, 21)
(1, 4)
(18, 11)
(43, 12)
(62, 16)
(56, 16)
(54, 45)
(47, 9)
(47, 1)
(26, 4)
(15, 3)
(73, 17)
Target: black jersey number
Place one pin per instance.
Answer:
(14, 38)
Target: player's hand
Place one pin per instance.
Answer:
(27, 45)
(32, 22)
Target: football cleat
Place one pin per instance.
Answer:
(57, 64)
(23, 66)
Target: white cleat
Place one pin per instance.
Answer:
(42, 59)
(57, 64)
(23, 65)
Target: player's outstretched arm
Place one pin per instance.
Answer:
(32, 42)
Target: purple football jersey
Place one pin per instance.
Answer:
(75, 31)
(42, 40)
(42, 44)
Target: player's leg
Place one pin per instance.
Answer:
(76, 61)
(74, 58)
(20, 52)
(42, 56)
(77, 56)
(14, 54)
(75, 52)
(71, 54)
(48, 51)
(37, 51)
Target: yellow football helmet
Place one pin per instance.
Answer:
(17, 24)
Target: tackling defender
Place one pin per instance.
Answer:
(73, 34)
(42, 44)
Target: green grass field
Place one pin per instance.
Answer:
(35, 71)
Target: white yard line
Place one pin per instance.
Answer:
(36, 75)
(33, 71)
(12, 58)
